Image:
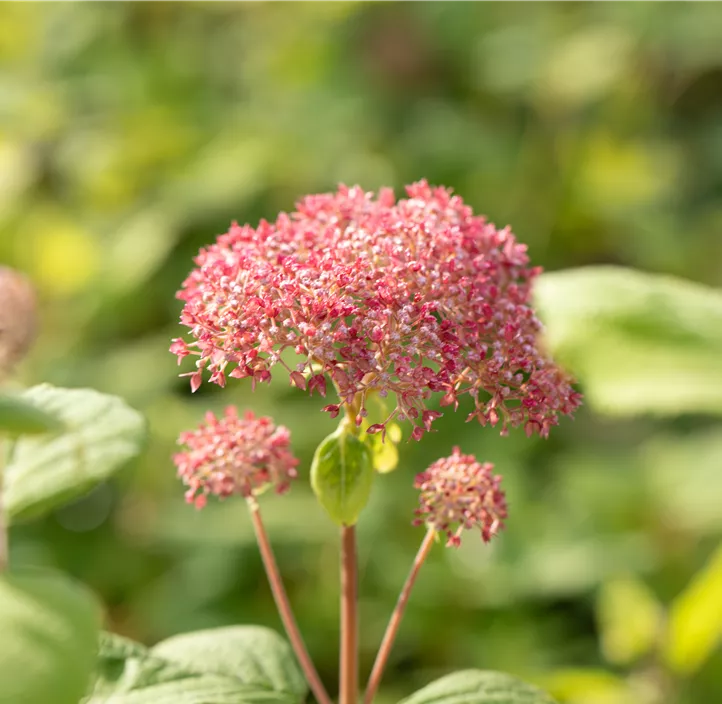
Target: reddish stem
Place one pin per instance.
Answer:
(398, 613)
(349, 617)
(4, 546)
(4, 549)
(284, 607)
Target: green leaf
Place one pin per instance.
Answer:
(695, 620)
(101, 434)
(588, 686)
(20, 417)
(257, 656)
(341, 475)
(234, 665)
(49, 629)
(638, 342)
(479, 687)
(629, 619)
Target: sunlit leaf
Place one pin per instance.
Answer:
(639, 343)
(383, 449)
(695, 620)
(101, 434)
(582, 686)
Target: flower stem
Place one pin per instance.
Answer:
(392, 629)
(4, 547)
(349, 617)
(284, 607)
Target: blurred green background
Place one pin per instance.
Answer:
(132, 133)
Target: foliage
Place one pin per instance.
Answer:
(641, 343)
(130, 133)
(478, 687)
(100, 434)
(234, 665)
(50, 628)
(68, 441)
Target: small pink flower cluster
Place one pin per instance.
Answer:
(411, 298)
(458, 493)
(233, 455)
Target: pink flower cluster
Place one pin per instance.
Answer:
(458, 493)
(408, 298)
(233, 455)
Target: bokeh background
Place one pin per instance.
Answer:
(132, 133)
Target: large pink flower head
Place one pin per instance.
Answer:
(458, 493)
(406, 298)
(233, 455)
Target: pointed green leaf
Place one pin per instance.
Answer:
(20, 417)
(479, 687)
(695, 620)
(49, 629)
(638, 342)
(234, 665)
(341, 475)
(101, 434)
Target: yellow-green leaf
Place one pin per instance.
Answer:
(695, 622)
(588, 686)
(383, 449)
(629, 618)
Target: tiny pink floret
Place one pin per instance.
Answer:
(458, 493)
(234, 455)
(413, 298)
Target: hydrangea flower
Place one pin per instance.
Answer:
(458, 493)
(408, 298)
(234, 455)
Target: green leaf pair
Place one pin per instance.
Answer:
(254, 665)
